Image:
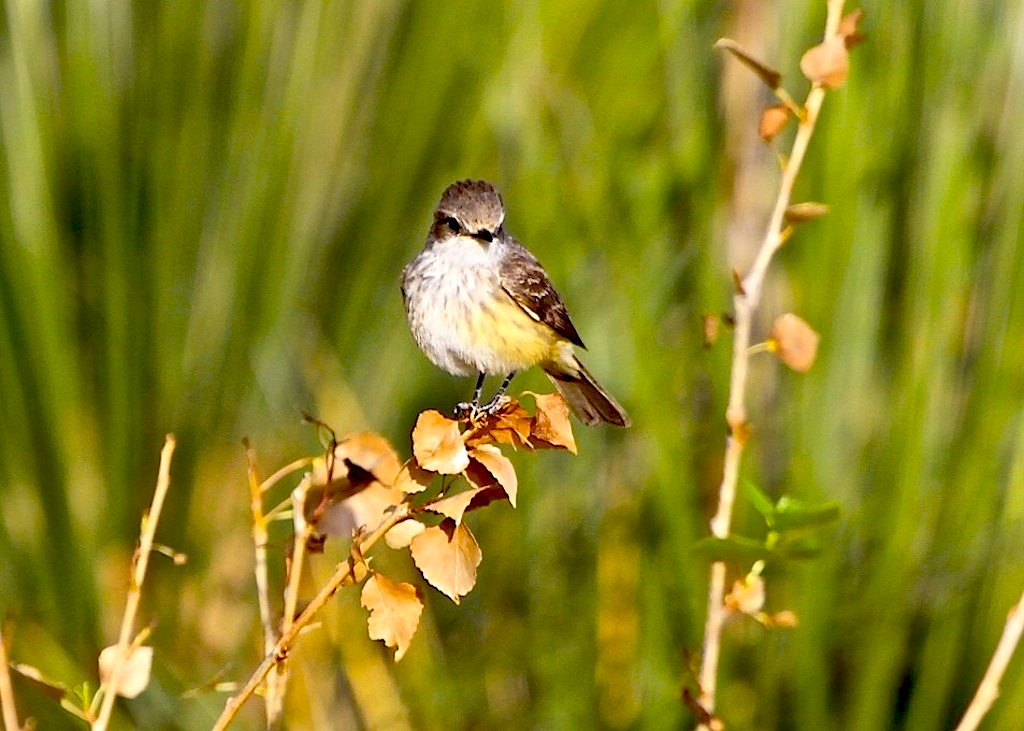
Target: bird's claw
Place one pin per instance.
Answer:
(474, 412)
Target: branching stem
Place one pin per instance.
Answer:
(124, 642)
(275, 690)
(745, 302)
(341, 575)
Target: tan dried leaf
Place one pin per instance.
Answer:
(500, 467)
(806, 211)
(747, 596)
(455, 505)
(133, 676)
(487, 495)
(551, 425)
(447, 555)
(773, 121)
(412, 478)
(737, 282)
(794, 342)
(848, 28)
(349, 489)
(769, 76)
(366, 508)
(402, 534)
(371, 453)
(827, 63)
(510, 424)
(395, 608)
(478, 476)
(437, 444)
(361, 462)
(786, 619)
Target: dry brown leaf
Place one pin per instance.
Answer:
(806, 211)
(360, 462)
(551, 425)
(700, 712)
(827, 63)
(437, 444)
(133, 676)
(773, 121)
(786, 618)
(769, 76)
(794, 342)
(455, 505)
(361, 469)
(737, 282)
(412, 478)
(395, 609)
(500, 467)
(370, 452)
(485, 496)
(402, 534)
(365, 509)
(510, 424)
(848, 28)
(447, 555)
(478, 476)
(747, 596)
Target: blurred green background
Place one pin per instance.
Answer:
(205, 209)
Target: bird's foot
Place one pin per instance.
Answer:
(496, 404)
(473, 412)
(469, 411)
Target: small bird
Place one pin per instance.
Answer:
(479, 302)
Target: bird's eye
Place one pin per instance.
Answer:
(453, 224)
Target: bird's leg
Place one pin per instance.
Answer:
(471, 408)
(499, 396)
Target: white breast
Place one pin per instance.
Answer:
(446, 286)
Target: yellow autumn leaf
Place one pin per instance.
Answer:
(437, 444)
(447, 555)
(395, 608)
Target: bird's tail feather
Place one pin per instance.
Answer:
(587, 399)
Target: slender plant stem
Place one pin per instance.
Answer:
(10, 711)
(745, 302)
(341, 575)
(273, 701)
(284, 472)
(279, 678)
(301, 538)
(988, 691)
(124, 641)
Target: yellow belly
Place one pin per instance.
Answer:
(505, 338)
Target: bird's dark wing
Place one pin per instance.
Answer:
(525, 281)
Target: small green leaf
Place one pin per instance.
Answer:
(69, 705)
(84, 693)
(791, 513)
(733, 548)
(798, 547)
(761, 502)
